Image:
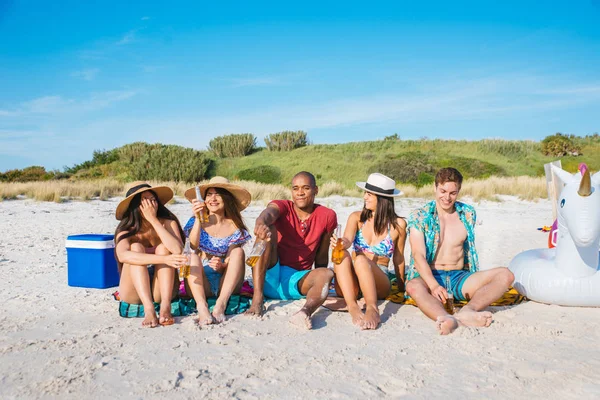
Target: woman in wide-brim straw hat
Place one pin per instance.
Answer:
(218, 267)
(378, 235)
(148, 235)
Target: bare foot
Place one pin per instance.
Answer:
(446, 324)
(302, 320)
(165, 317)
(150, 321)
(469, 317)
(219, 313)
(257, 309)
(339, 304)
(357, 315)
(371, 319)
(204, 316)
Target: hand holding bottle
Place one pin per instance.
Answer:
(199, 207)
(337, 255)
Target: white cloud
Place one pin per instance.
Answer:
(145, 18)
(489, 100)
(47, 105)
(104, 99)
(129, 37)
(86, 74)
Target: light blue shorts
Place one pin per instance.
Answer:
(281, 283)
(457, 280)
(213, 277)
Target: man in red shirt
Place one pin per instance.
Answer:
(303, 230)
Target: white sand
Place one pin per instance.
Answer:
(58, 341)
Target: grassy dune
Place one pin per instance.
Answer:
(350, 162)
(491, 167)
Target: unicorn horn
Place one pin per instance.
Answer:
(585, 187)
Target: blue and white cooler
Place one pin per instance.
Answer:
(91, 261)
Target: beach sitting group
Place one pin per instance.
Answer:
(298, 235)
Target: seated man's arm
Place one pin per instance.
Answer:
(266, 218)
(419, 252)
(322, 257)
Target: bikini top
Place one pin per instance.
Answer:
(385, 248)
(219, 246)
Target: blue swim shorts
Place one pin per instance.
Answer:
(281, 283)
(457, 280)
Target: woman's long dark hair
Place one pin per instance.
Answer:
(231, 208)
(132, 218)
(385, 214)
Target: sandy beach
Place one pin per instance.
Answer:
(65, 342)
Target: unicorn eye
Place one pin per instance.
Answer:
(562, 203)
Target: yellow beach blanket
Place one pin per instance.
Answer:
(509, 298)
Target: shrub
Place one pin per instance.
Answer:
(28, 174)
(419, 169)
(392, 138)
(410, 168)
(262, 174)
(100, 157)
(470, 167)
(130, 152)
(169, 163)
(237, 145)
(508, 148)
(559, 145)
(286, 140)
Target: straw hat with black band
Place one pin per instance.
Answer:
(163, 193)
(381, 185)
(241, 195)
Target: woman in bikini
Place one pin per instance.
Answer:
(378, 235)
(217, 268)
(148, 235)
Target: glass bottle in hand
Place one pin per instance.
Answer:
(184, 270)
(449, 304)
(337, 254)
(203, 216)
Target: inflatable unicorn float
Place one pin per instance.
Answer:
(568, 274)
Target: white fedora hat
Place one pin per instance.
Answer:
(381, 185)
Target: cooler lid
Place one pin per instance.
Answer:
(95, 237)
(90, 241)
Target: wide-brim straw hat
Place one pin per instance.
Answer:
(241, 195)
(163, 193)
(381, 185)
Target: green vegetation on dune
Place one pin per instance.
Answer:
(407, 161)
(350, 162)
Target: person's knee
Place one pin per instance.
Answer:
(413, 288)
(323, 274)
(343, 266)
(161, 250)
(361, 262)
(507, 277)
(237, 253)
(138, 248)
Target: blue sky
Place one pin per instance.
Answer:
(76, 76)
